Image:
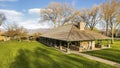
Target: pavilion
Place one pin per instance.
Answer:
(72, 37)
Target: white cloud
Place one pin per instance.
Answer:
(34, 24)
(18, 17)
(12, 15)
(34, 11)
(8, 0)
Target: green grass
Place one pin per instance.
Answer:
(14, 54)
(112, 53)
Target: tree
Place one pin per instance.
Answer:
(95, 17)
(91, 17)
(15, 32)
(61, 14)
(85, 17)
(2, 18)
(74, 17)
(117, 25)
(57, 13)
(36, 35)
(110, 11)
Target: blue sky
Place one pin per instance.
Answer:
(26, 12)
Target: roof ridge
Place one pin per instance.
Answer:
(69, 33)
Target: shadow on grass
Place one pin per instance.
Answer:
(39, 58)
(47, 58)
(21, 61)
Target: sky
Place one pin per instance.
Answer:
(26, 13)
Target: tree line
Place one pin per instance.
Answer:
(14, 31)
(107, 14)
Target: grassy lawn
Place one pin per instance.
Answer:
(112, 53)
(25, 54)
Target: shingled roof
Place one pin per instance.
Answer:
(71, 33)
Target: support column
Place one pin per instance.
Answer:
(89, 45)
(51, 43)
(67, 49)
(47, 40)
(93, 44)
(55, 44)
(60, 46)
(80, 49)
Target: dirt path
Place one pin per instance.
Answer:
(98, 59)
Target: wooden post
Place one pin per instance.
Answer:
(60, 46)
(55, 44)
(47, 40)
(67, 49)
(51, 43)
(80, 49)
(89, 45)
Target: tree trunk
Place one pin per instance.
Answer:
(112, 40)
(106, 28)
(91, 28)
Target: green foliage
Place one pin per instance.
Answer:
(14, 54)
(112, 53)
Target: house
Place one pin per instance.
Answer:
(71, 37)
(3, 38)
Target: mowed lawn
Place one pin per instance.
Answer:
(14, 54)
(112, 53)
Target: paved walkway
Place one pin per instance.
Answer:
(98, 59)
(112, 63)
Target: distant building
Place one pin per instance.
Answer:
(71, 37)
(3, 38)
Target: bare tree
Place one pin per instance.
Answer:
(117, 25)
(95, 17)
(85, 17)
(2, 18)
(36, 35)
(91, 17)
(57, 13)
(110, 11)
(15, 32)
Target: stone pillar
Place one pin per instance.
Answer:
(80, 49)
(89, 45)
(93, 44)
(68, 50)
